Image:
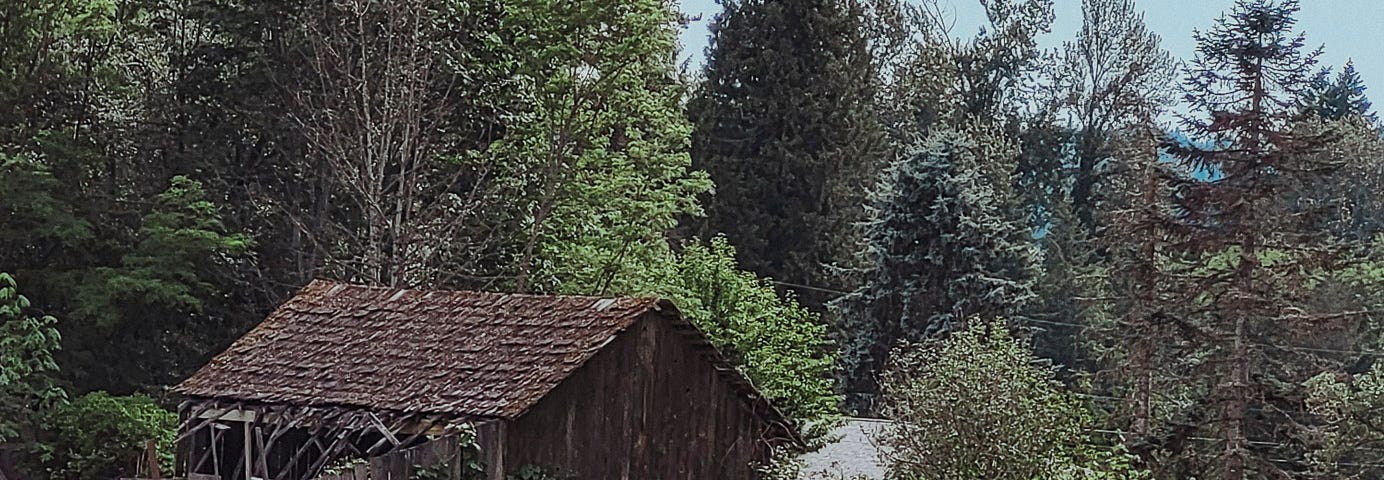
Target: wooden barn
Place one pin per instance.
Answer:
(582, 387)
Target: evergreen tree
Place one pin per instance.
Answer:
(1337, 99)
(945, 243)
(786, 126)
(1240, 259)
(1134, 339)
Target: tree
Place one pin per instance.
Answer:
(1119, 76)
(1068, 293)
(1342, 98)
(98, 436)
(1354, 211)
(944, 243)
(27, 366)
(977, 406)
(156, 315)
(786, 125)
(944, 79)
(1347, 441)
(1136, 341)
(374, 120)
(1246, 277)
(81, 191)
(781, 346)
(601, 158)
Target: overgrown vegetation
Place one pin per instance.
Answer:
(979, 405)
(99, 436)
(781, 346)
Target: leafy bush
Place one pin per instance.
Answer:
(778, 344)
(27, 367)
(101, 436)
(977, 406)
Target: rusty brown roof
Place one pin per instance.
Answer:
(469, 353)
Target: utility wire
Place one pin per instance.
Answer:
(1268, 345)
(809, 287)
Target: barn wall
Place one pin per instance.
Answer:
(648, 406)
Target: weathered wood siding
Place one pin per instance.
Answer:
(648, 406)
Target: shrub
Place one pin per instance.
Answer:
(978, 406)
(101, 436)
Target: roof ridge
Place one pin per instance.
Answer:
(328, 283)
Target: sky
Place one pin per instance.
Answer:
(1349, 29)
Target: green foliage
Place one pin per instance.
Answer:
(99, 436)
(599, 152)
(27, 367)
(180, 235)
(777, 343)
(945, 242)
(787, 127)
(153, 297)
(978, 406)
(33, 206)
(1348, 442)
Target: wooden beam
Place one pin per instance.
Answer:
(248, 453)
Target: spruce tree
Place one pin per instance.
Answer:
(1239, 258)
(1336, 99)
(945, 243)
(785, 124)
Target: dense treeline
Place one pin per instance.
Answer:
(869, 211)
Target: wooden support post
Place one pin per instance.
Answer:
(247, 453)
(152, 457)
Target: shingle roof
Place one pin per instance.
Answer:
(468, 353)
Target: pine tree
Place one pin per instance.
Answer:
(945, 243)
(1134, 340)
(785, 124)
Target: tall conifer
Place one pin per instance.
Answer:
(785, 124)
(1240, 260)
